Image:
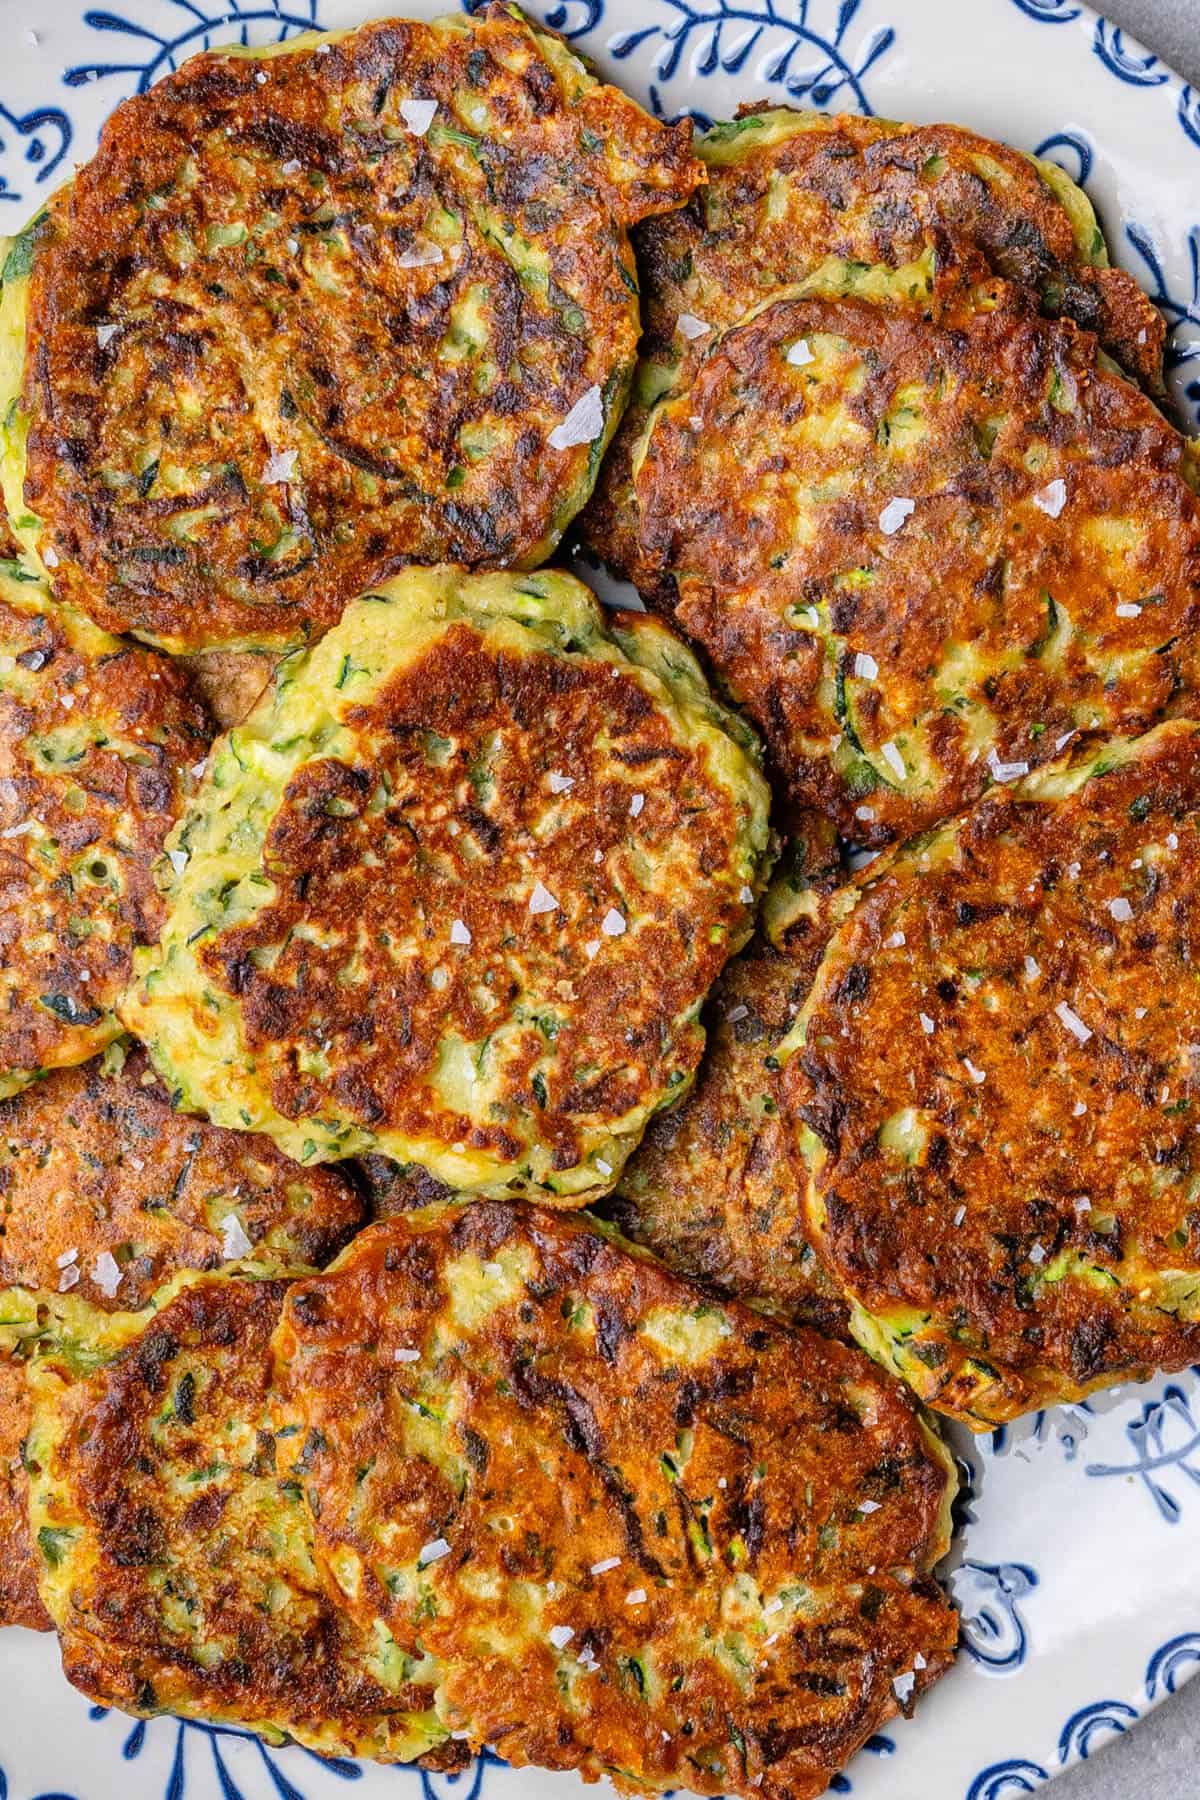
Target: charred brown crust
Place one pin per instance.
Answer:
(96, 748)
(264, 258)
(96, 1163)
(581, 1437)
(1055, 547)
(1021, 984)
(867, 191)
(100, 1165)
(19, 1602)
(449, 842)
(230, 682)
(716, 1189)
(124, 1441)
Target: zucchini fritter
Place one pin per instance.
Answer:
(176, 1558)
(317, 311)
(645, 1535)
(457, 889)
(105, 1193)
(19, 1603)
(998, 1080)
(788, 190)
(716, 1189)
(923, 552)
(96, 1161)
(97, 743)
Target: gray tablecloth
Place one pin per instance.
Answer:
(1161, 1759)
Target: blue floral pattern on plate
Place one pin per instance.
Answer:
(203, 27)
(806, 45)
(42, 138)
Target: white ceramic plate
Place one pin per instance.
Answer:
(1078, 1561)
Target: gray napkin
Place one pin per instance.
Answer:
(1172, 27)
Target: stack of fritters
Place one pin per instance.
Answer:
(301, 379)
(493, 1480)
(105, 1193)
(945, 552)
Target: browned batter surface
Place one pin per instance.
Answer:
(97, 743)
(921, 553)
(102, 1165)
(862, 190)
(646, 1535)
(342, 342)
(19, 1603)
(999, 1075)
(230, 682)
(176, 1555)
(519, 715)
(456, 891)
(716, 1189)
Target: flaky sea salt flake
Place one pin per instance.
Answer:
(895, 516)
(418, 115)
(1005, 771)
(106, 1274)
(1052, 500)
(280, 466)
(583, 424)
(420, 256)
(1073, 1022)
(234, 1239)
(894, 760)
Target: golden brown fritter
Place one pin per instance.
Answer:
(19, 1603)
(788, 190)
(921, 554)
(98, 1163)
(319, 311)
(997, 1072)
(106, 1192)
(97, 743)
(716, 1189)
(176, 1558)
(644, 1534)
(457, 889)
